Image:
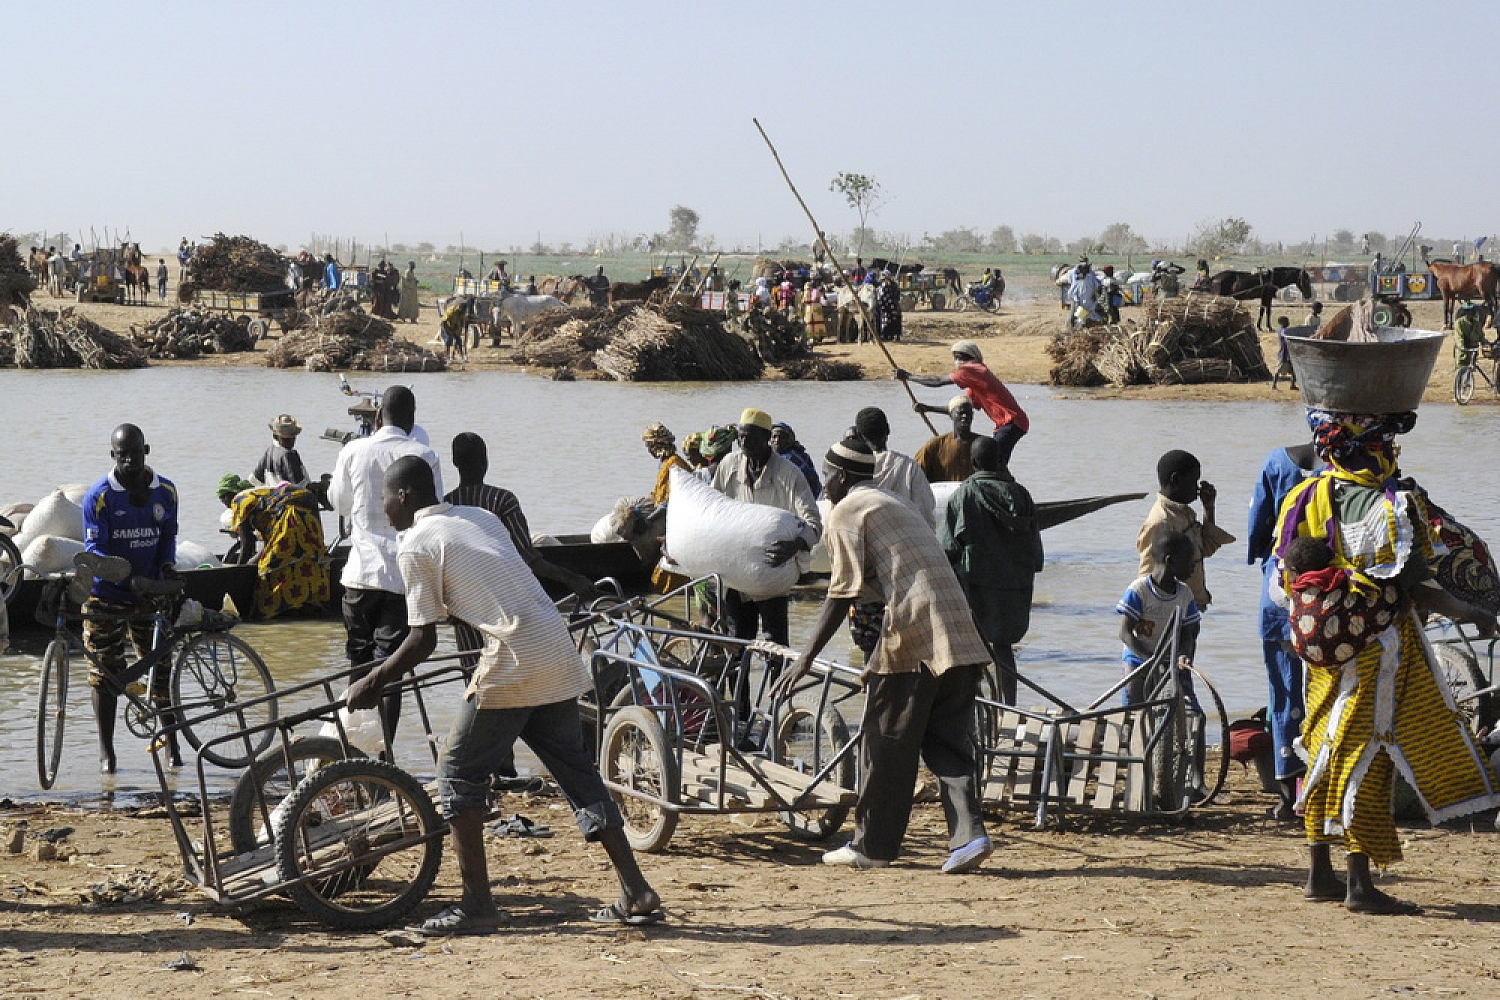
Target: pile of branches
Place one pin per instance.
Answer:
(769, 267)
(640, 343)
(236, 264)
(190, 333)
(821, 370)
(41, 338)
(775, 336)
(16, 282)
(1187, 340)
(351, 340)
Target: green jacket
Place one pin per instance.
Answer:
(990, 534)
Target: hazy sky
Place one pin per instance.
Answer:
(422, 120)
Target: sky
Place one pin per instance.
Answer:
(501, 123)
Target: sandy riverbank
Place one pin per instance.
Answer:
(1014, 341)
(1106, 908)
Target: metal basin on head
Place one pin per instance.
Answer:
(1386, 375)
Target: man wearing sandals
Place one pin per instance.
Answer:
(131, 514)
(460, 563)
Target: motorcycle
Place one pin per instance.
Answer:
(979, 295)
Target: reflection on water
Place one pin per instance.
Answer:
(570, 449)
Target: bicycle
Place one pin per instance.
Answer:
(1463, 378)
(210, 669)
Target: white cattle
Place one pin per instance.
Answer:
(518, 310)
(849, 313)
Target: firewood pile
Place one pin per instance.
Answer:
(640, 343)
(1187, 340)
(822, 370)
(192, 333)
(351, 340)
(42, 338)
(234, 264)
(775, 336)
(16, 282)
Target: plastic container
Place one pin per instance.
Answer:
(1387, 375)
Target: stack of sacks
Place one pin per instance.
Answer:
(51, 534)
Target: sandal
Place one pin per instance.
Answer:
(613, 914)
(519, 826)
(453, 920)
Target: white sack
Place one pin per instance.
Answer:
(191, 555)
(75, 492)
(16, 514)
(54, 514)
(940, 494)
(708, 532)
(51, 553)
(603, 531)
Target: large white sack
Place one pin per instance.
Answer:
(51, 553)
(709, 533)
(192, 555)
(16, 514)
(603, 531)
(54, 514)
(940, 494)
(75, 491)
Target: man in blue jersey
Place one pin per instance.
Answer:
(130, 513)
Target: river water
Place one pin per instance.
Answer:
(570, 449)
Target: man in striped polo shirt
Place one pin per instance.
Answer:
(459, 562)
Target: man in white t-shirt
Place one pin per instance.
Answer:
(460, 563)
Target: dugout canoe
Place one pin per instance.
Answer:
(1051, 513)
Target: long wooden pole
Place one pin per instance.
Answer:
(863, 309)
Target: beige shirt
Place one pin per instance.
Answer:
(883, 549)
(1169, 515)
(899, 474)
(460, 562)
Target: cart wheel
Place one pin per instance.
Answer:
(938, 302)
(992, 305)
(963, 303)
(51, 710)
(242, 320)
(908, 302)
(1215, 755)
(367, 839)
(1461, 668)
(1403, 314)
(807, 743)
(1463, 385)
(258, 328)
(636, 757)
(216, 670)
(263, 788)
(10, 569)
(1383, 315)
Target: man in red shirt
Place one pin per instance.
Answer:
(987, 392)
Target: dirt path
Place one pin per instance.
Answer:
(1014, 342)
(1106, 908)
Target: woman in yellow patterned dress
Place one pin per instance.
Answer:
(1386, 707)
(662, 445)
(292, 568)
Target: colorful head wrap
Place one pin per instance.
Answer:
(968, 347)
(693, 442)
(852, 455)
(1359, 442)
(718, 442)
(232, 484)
(657, 434)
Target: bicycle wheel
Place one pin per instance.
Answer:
(1463, 385)
(1215, 761)
(51, 711)
(807, 743)
(10, 569)
(263, 788)
(962, 303)
(1171, 747)
(637, 757)
(367, 839)
(216, 670)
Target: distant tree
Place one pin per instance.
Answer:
(1342, 240)
(864, 195)
(1379, 242)
(682, 230)
(1118, 237)
(1033, 243)
(1214, 239)
(1002, 240)
(954, 241)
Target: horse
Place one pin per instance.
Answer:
(1248, 286)
(636, 291)
(570, 290)
(137, 283)
(1467, 282)
(36, 263)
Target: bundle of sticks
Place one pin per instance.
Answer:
(1192, 338)
(351, 340)
(237, 264)
(42, 338)
(640, 343)
(189, 333)
(16, 282)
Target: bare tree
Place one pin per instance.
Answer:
(864, 195)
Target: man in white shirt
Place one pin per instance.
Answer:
(756, 474)
(374, 596)
(460, 563)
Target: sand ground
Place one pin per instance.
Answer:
(1107, 907)
(1014, 343)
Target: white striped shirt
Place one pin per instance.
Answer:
(460, 562)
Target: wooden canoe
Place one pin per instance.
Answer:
(1051, 513)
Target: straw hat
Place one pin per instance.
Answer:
(285, 426)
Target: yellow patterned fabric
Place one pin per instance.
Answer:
(1389, 708)
(663, 582)
(292, 566)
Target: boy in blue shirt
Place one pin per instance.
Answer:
(1148, 604)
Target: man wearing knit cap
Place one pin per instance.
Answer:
(921, 681)
(986, 392)
(947, 457)
(756, 474)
